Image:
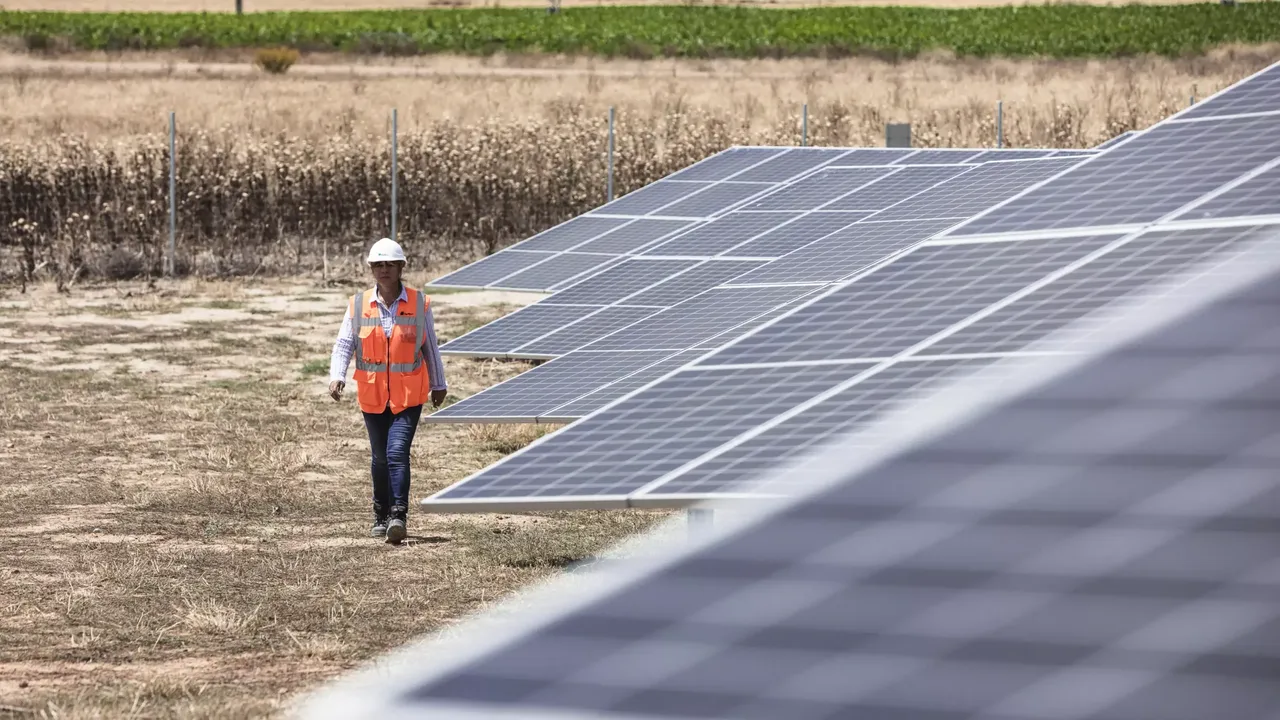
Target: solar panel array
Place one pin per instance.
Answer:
(869, 331)
(1082, 538)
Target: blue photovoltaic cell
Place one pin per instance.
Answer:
(1257, 196)
(534, 392)
(619, 281)
(492, 268)
(897, 187)
(589, 329)
(588, 404)
(1142, 180)
(789, 164)
(1116, 140)
(875, 156)
(817, 189)
(907, 301)
(520, 327)
(1010, 155)
(845, 252)
(1132, 268)
(1255, 95)
(727, 163)
(693, 281)
(667, 425)
(858, 405)
(714, 199)
(712, 238)
(568, 234)
(554, 271)
(650, 197)
(976, 190)
(633, 236)
(795, 235)
(941, 155)
(698, 319)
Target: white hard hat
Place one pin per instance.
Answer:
(386, 250)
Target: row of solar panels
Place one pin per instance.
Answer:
(794, 362)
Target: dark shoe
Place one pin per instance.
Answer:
(396, 529)
(380, 519)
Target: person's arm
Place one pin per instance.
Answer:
(435, 364)
(340, 359)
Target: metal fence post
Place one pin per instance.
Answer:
(394, 171)
(804, 126)
(1000, 124)
(173, 196)
(609, 193)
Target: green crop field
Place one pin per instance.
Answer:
(1060, 31)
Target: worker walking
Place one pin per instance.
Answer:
(397, 367)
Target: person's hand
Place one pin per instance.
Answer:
(438, 396)
(335, 389)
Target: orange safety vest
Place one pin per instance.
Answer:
(391, 373)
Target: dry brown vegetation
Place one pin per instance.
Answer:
(185, 516)
(278, 5)
(275, 174)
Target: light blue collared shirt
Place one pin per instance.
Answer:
(345, 346)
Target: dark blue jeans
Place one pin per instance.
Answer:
(390, 437)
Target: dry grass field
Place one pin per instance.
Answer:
(185, 516)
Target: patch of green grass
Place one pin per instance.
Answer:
(645, 31)
(318, 366)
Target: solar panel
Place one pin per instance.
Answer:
(633, 236)
(819, 188)
(1117, 139)
(941, 155)
(1258, 94)
(651, 198)
(1142, 180)
(693, 282)
(897, 187)
(492, 268)
(794, 235)
(727, 163)
(522, 326)
(1254, 197)
(715, 199)
(583, 332)
(1093, 539)
(1012, 155)
(555, 271)
(844, 252)
(539, 390)
(720, 234)
(618, 282)
(588, 404)
(790, 164)
(976, 190)
(571, 233)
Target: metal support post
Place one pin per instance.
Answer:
(1000, 124)
(804, 126)
(239, 7)
(170, 261)
(609, 189)
(394, 171)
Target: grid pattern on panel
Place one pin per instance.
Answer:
(727, 163)
(586, 330)
(1141, 263)
(1010, 155)
(693, 282)
(1115, 140)
(845, 252)
(720, 234)
(797, 234)
(520, 327)
(699, 318)
(789, 164)
(617, 282)
(876, 156)
(554, 271)
(897, 187)
(588, 404)
(623, 448)
(632, 236)
(855, 406)
(1256, 95)
(570, 233)
(976, 190)
(557, 382)
(818, 188)
(941, 155)
(1101, 547)
(714, 199)
(907, 301)
(1259, 195)
(490, 269)
(1142, 180)
(645, 200)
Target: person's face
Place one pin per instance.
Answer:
(386, 273)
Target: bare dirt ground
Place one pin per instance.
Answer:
(279, 5)
(184, 532)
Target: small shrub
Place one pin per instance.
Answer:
(276, 60)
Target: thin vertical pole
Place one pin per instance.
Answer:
(394, 171)
(610, 180)
(173, 195)
(1000, 124)
(804, 126)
